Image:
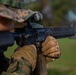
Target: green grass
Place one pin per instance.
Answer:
(10, 50)
(66, 64)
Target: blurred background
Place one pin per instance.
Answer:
(57, 13)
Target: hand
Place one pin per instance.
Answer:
(50, 48)
(28, 52)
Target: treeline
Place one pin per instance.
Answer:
(54, 11)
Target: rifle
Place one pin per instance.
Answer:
(33, 33)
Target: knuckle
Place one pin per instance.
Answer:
(53, 42)
(58, 54)
(50, 37)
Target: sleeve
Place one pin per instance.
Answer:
(18, 68)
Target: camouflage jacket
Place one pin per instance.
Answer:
(20, 67)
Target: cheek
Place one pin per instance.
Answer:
(6, 24)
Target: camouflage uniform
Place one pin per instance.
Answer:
(20, 63)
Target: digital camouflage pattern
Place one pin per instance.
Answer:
(19, 15)
(14, 3)
(18, 68)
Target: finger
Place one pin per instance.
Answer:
(50, 44)
(54, 55)
(52, 50)
(47, 40)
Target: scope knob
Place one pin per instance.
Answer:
(37, 17)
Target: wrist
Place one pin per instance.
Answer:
(26, 68)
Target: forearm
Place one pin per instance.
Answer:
(20, 67)
(23, 61)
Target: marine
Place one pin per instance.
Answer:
(23, 60)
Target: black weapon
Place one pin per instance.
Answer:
(33, 33)
(36, 34)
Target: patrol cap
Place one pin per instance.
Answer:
(19, 15)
